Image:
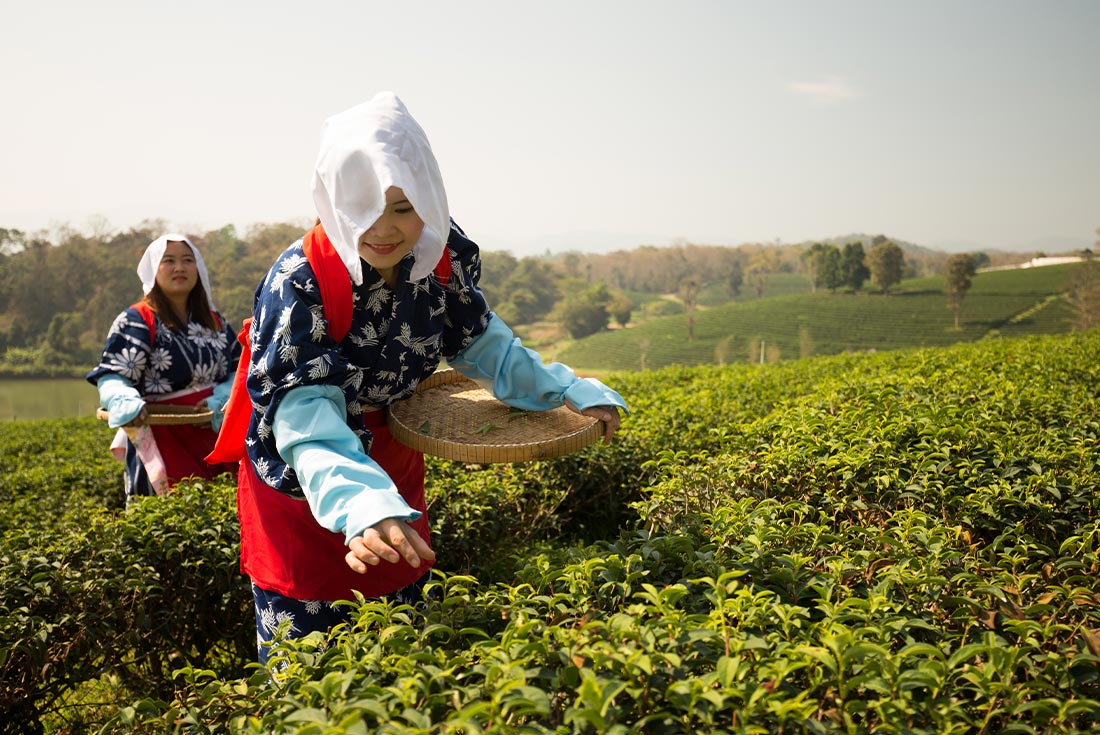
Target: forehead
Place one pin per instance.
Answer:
(177, 248)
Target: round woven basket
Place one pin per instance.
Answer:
(161, 415)
(452, 417)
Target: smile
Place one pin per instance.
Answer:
(384, 248)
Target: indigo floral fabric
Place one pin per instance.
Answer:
(191, 358)
(397, 339)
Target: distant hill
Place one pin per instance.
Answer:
(1000, 304)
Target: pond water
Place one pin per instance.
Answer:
(60, 398)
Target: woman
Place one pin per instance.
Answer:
(329, 503)
(170, 348)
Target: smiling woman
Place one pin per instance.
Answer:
(170, 348)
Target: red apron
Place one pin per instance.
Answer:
(285, 550)
(185, 446)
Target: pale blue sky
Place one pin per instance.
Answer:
(572, 124)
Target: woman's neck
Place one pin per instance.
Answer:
(389, 275)
(179, 308)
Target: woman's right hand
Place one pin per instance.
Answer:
(389, 540)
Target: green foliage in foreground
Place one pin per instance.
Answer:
(897, 543)
(1001, 303)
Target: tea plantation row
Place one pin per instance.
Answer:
(897, 543)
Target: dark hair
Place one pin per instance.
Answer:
(197, 304)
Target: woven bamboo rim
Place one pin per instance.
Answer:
(452, 417)
(167, 414)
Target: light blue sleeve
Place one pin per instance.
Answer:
(348, 492)
(216, 401)
(517, 376)
(120, 398)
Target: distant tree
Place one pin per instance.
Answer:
(620, 308)
(762, 263)
(853, 266)
(958, 272)
(886, 262)
(831, 273)
(532, 291)
(584, 311)
(572, 264)
(1084, 295)
(496, 267)
(11, 241)
(689, 295)
(811, 262)
(735, 277)
(981, 260)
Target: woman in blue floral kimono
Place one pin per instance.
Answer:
(329, 503)
(171, 348)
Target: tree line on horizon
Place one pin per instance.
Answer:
(59, 295)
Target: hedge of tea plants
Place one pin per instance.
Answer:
(902, 543)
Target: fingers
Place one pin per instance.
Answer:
(610, 417)
(390, 540)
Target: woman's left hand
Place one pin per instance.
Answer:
(609, 415)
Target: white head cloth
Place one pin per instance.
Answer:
(364, 151)
(150, 262)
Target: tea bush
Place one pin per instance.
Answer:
(895, 543)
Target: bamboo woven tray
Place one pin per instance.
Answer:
(161, 415)
(452, 417)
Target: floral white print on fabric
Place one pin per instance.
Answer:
(317, 330)
(155, 383)
(129, 362)
(440, 306)
(263, 469)
(288, 266)
(204, 374)
(271, 620)
(161, 359)
(378, 298)
(320, 367)
(200, 335)
(419, 345)
(283, 330)
(365, 337)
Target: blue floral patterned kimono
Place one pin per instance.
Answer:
(397, 339)
(177, 367)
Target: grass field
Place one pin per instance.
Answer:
(915, 314)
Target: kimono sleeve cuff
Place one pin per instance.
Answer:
(497, 360)
(120, 398)
(589, 392)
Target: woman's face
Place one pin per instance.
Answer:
(178, 272)
(393, 234)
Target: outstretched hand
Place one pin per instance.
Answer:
(389, 540)
(609, 415)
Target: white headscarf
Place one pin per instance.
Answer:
(364, 151)
(150, 262)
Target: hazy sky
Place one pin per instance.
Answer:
(574, 123)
